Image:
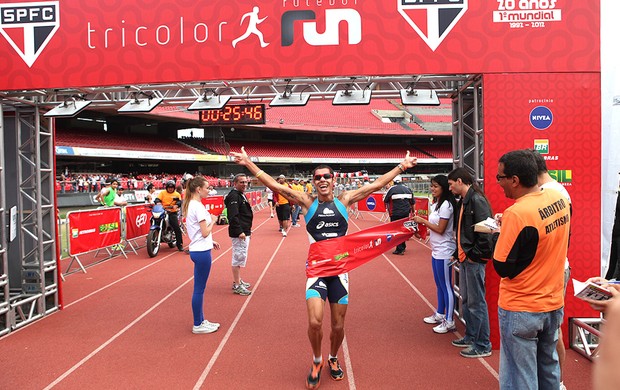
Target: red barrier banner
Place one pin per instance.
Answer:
(343, 254)
(137, 220)
(373, 203)
(421, 209)
(94, 229)
(252, 199)
(141, 41)
(214, 204)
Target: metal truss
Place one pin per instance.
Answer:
(467, 129)
(584, 334)
(5, 308)
(113, 97)
(38, 294)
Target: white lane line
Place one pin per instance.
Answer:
(419, 293)
(110, 340)
(232, 327)
(347, 364)
(117, 335)
(118, 280)
(145, 267)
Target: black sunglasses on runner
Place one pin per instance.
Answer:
(324, 176)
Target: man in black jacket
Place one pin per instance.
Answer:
(239, 230)
(399, 201)
(474, 249)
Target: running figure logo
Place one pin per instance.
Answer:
(253, 22)
(433, 21)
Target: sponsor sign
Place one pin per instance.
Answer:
(373, 203)
(541, 146)
(541, 117)
(94, 229)
(137, 220)
(564, 176)
(214, 204)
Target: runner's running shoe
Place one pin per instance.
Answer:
(314, 378)
(334, 369)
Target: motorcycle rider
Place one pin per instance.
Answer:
(171, 200)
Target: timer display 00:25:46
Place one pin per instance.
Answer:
(234, 114)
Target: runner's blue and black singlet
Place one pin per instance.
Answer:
(323, 221)
(326, 220)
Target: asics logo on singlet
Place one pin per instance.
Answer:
(323, 224)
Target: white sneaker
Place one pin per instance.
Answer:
(297, 225)
(241, 290)
(445, 327)
(212, 324)
(241, 282)
(283, 233)
(204, 328)
(562, 387)
(271, 215)
(436, 318)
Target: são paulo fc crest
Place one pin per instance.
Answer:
(432, 19)
(29, 27)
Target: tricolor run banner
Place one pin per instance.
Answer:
(373, 203)
(343, 254)
(77, 43)
(137, 220)
(92, 230)
(214, 204)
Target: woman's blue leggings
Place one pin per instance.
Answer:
(202, 268)
(443, 280)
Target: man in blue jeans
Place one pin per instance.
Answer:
(473, 251)
(529, 256)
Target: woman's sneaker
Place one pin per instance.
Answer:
(334, 369)
(436, 318)
(445, 327)
(205, 327)
(313, 381)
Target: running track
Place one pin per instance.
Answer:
(127, 325)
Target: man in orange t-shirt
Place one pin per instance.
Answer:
(529, 256)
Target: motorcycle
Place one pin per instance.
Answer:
(161, 230)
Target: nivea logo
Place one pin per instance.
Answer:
(541, 117)
(371, 203)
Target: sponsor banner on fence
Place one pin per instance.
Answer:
(94, 229)
(343, 254)
(137, 220)
(373, 203)
(421, 209)
(214, 204)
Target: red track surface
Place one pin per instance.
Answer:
(127, 325)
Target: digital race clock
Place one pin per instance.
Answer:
(231, 114)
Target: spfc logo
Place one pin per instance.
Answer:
(432, 19)
(29, 27)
